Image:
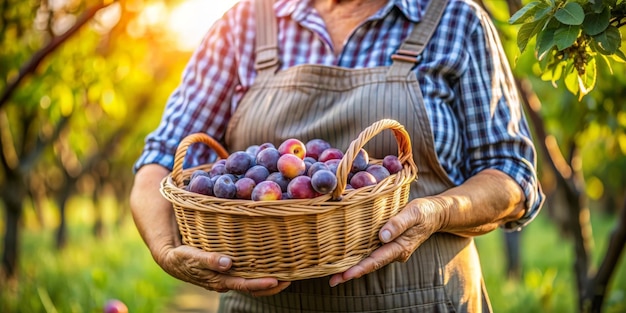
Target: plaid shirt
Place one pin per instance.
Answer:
(455, 77)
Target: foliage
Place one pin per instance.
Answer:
(572, 38)
(82, 277)
(96, 79)
(76, 122)
(547, 282)
(594, 125)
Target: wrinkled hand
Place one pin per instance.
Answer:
(400, 236)
(207, 269)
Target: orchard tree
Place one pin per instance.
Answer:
(82, 82)
(572, 38)
(575, 41)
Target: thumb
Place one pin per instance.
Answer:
(399, 223)
(393, 228)
(211, 260)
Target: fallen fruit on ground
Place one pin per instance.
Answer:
(114, 306)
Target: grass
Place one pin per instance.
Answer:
(547, 283)
(90, 271)
(82, 277)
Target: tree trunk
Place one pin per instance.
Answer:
(61, 234)
(12, 198)
(597, 288)
(579, 225)
(570, 183)
(67, 190)
(9, 257)
(98, 226)
(513, 257)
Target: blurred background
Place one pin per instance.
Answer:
(83, 82)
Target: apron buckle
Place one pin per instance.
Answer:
(407, 56)
(266, 57)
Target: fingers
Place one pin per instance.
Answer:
(209, 260)
(207, 270)
(380, 257)
(255, 285)
(272, 291)
(401, 235)
(399, 223)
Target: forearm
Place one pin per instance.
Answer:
(481, 204)
(152, 213)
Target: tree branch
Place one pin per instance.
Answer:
(31, 66)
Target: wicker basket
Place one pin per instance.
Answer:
(292, 239)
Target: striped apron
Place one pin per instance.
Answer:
(314, 101)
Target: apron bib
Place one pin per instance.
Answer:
(336, 104)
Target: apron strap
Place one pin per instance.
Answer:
(266, 37)
(409, 53)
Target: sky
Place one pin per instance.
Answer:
(192, 18)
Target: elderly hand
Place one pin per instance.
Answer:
(481, 204)
(207, 269)
(401, 235)
(478, 206)
(156, 223)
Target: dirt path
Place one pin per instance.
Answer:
(193, 299)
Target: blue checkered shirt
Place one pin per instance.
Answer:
(474, 128)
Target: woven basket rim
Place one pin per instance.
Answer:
(286, 207)
(171, 185)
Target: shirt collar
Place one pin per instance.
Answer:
(298, 9)
(412, 9)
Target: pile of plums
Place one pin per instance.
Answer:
(294, 170)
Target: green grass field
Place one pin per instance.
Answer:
(547, 283)
(83, 276)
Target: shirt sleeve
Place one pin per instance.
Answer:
(496, 133)
(200, 103)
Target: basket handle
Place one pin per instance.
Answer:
(405, 154)
(181, 152)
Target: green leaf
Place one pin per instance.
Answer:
(619, 56)
(595, 46)
(547, 61)
(596, 23)
(544, 13)
(553, 72)
(526, 32)
(609, 40)
(565, 37)
(598, 6)
(606, 60)
(570, 14)
(545, 42)
(571, 80)
(588, 81)
(526, 13)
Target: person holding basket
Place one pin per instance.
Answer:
(274, 69)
